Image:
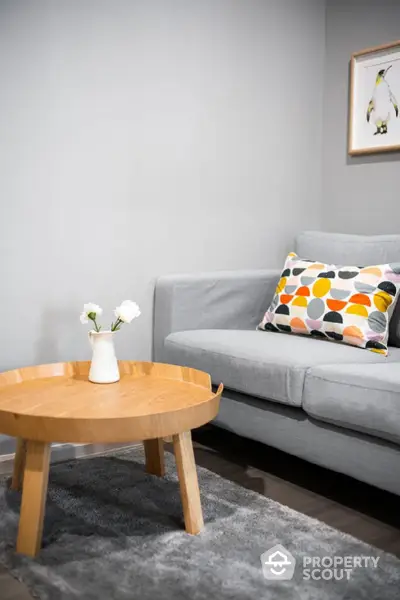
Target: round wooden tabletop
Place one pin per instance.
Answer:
(57, 403)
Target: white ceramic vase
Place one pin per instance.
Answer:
(104, 365)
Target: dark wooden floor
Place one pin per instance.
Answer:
(351, 506)
(365, 512)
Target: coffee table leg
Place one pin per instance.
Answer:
(33, 498)
(189, 484)
(154, 451)
(19, 465)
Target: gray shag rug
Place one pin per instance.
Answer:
(113, 532)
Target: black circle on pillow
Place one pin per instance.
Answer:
(282, 309)
(333, 317)
(285, 273)
(348, 274)
(317, 334)
(285, 328)
(334, 336)
(298, 270)
(327, 274)
(270, 327)
(388, 286)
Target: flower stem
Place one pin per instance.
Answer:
(96, 327)
(115, 325)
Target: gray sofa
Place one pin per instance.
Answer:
(332, 404)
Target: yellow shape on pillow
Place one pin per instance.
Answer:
(321, 287)
(281, 285)
(300, 301)
(382, 301)
(357, 309)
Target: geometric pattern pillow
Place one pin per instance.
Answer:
(352, 305)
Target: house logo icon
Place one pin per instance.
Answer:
(278, 563)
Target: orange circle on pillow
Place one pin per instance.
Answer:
(297, 323)
(336, 305)
(360, 299)
(285, 298)
(353, 331)
(303, 291)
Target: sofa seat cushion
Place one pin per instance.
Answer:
(362, 397)
(264, 364)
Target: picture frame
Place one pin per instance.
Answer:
(374, 112)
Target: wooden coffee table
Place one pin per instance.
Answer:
(56, 403)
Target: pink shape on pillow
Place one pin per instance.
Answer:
(374, 337)
(269, 317)
(391, 276)
(312, 324)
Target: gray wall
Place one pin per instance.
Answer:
(144, 137)
(360, 195)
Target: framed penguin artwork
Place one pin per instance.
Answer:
(374, 117)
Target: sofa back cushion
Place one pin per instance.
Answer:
(361, 250)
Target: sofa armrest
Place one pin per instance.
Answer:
(219, 300)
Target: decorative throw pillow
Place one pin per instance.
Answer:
(347, 304)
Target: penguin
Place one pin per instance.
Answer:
(382, 103)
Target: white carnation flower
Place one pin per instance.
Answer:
(91, 308)
(127, 311)
(90, 312)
